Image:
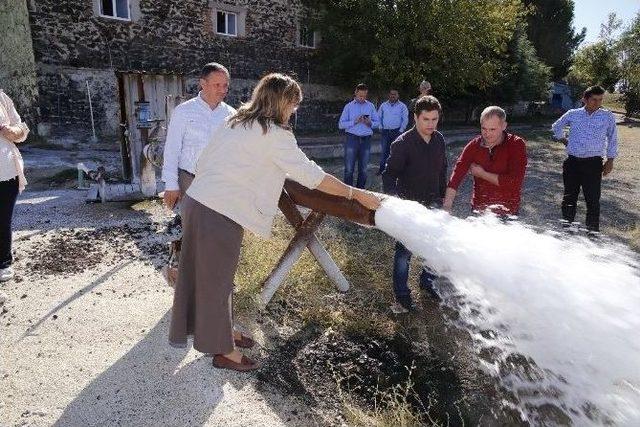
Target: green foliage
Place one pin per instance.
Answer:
(457, 45)
(629, 46)
(550, 29)
(612, 61)
(596, 64)
(523, 76)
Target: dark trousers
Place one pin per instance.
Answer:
(356, 148)
(8, 196)
(401, 261)
(388, 136)
(585, 173)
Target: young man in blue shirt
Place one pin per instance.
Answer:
(358, 119)
(394, 118)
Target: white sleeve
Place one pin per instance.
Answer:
(172, 149)
(290, 158)
(14, 117)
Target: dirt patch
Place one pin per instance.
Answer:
(70, 252)
(330, 369)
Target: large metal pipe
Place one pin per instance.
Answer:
(340, 207)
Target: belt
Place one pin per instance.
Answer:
(585, 159)
(192, 175)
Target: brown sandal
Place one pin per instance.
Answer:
(245, 365)
(244, 342)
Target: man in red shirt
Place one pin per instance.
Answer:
(497, 160)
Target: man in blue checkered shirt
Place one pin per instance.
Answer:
(592, 135)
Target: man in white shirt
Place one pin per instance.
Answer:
(190, 129)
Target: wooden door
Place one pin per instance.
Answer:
(146, 101)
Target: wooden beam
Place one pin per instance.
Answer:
(293, 215)
(290, 256)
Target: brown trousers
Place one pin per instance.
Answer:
(202, 302)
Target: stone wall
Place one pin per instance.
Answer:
(64, 100)
(74, 45)
(17, 69)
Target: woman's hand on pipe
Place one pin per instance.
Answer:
(367, 199)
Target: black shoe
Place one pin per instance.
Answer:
(430, 290)
(406, 303)
(593, 234)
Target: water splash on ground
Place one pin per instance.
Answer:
(556, 317)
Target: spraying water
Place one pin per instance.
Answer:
(568, 305)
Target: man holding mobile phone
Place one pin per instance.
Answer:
(358, 119)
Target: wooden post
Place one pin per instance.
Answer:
(321, 204)
(293, 215)
(291, 255)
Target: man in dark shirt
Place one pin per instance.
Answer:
(416, 170)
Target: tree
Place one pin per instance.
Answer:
(596, 64)
(349, 38)
(458, 45)
(629, 46)
(550, 29)
(523, 75)
(609, 28)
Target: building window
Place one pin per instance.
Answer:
(228, 20)
(117, 9)
(226, 23)
(307, 37)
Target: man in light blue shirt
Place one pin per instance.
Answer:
(592, 134)
(394, 117)
(358, 119)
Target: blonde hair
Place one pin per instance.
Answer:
(272, 96)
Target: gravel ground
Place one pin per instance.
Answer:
(84, 330)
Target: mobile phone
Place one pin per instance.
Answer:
(366, 116)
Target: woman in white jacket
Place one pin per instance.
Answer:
(12, 130)
(238, 180)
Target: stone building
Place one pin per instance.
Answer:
(17, 63)
(83, 48)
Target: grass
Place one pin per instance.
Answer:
(634, 237)
(362, 255)
(391, 409)
(613, 101)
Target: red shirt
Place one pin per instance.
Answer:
(508, 160)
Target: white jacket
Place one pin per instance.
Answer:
(11, 163)
(241, 172)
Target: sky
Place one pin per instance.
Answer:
(592, 13)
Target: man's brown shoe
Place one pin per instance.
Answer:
(221, 362)
(244, 342)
